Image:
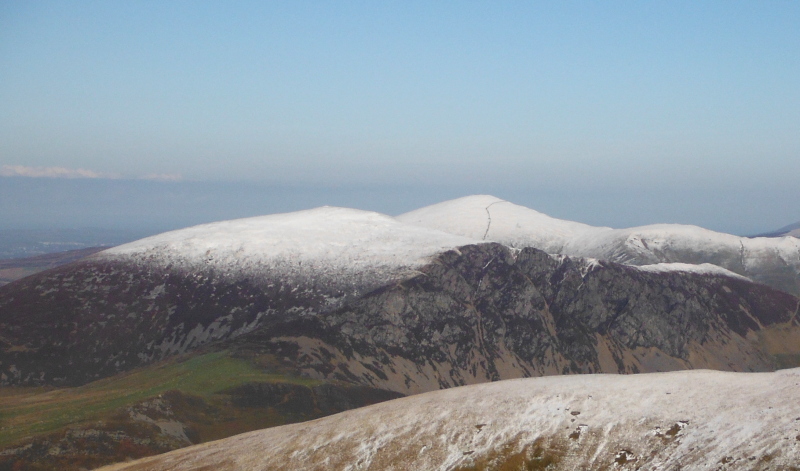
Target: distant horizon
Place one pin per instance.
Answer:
(156, 206)
(159, 115)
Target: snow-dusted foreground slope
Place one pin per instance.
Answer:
(678, 420)
(773, 261)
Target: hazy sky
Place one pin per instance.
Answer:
(615, 113)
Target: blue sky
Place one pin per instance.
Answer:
(663, 111)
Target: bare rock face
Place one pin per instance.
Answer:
(474, 314)
(93, 319)
(486, 313)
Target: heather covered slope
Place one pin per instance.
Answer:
(181, 401)
(773, 261)
(677, 420)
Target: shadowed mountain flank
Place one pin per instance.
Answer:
(472, 314)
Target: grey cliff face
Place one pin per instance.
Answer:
(479, 313)
(486, 313)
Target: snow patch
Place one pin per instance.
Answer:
(703, 268)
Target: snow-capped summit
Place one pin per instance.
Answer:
(486, 217)
(328, 242)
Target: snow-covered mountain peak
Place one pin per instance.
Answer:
(487, 217)
(467, 216)
(326, 242)
(342, 244)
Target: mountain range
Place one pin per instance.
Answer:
(464, 292)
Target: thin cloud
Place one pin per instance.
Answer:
(51, 172)
(163, 177)
(63, 172)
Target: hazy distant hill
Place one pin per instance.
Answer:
(22, 243)
(790, 230)
(16, 268)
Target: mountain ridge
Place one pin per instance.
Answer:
(310, 275)
(775, 262)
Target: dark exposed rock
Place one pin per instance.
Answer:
(483, 314)
(480, 313)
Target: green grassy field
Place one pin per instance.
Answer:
(26, 412)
